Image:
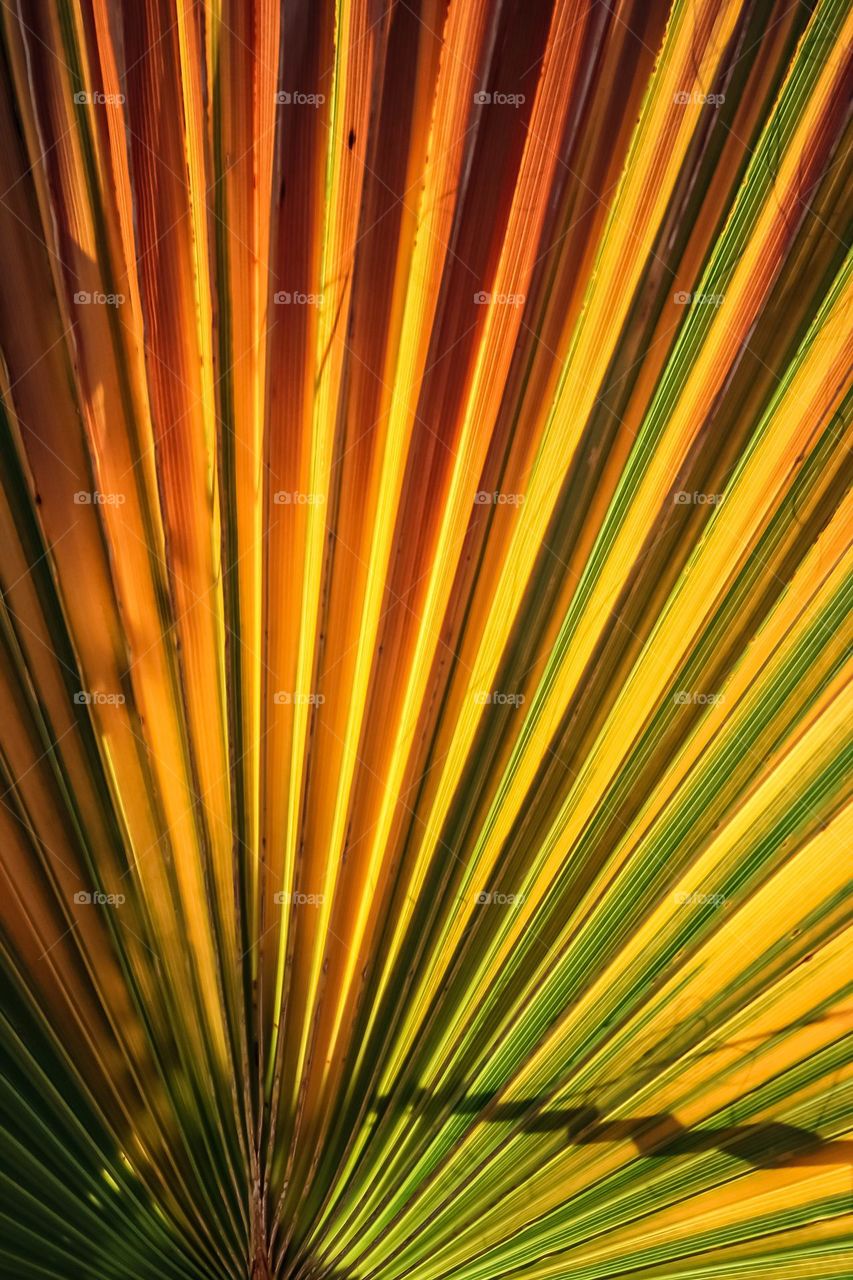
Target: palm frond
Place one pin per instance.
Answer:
(425, 733)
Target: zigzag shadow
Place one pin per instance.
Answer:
(767, 1144)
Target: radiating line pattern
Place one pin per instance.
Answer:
(425, 733)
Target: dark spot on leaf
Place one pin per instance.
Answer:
(351, 139)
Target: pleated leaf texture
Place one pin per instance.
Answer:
(425, 725)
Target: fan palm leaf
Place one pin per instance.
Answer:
(425, 732)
